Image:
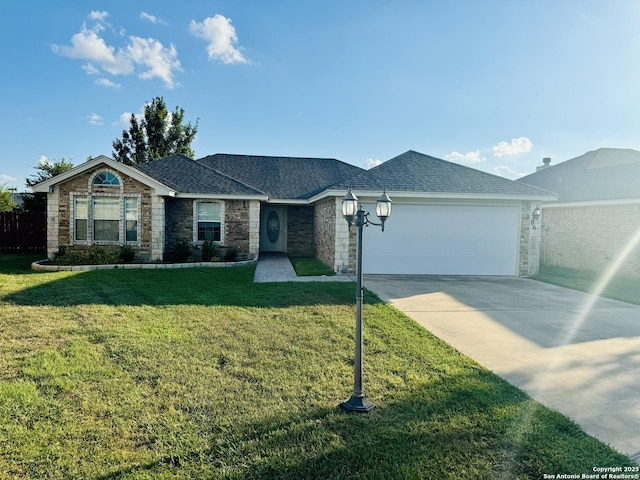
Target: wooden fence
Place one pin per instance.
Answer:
(23, 232)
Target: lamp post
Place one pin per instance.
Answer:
(352, 210)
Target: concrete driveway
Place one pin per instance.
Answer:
(571, 351)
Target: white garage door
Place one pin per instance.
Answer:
(444, 239)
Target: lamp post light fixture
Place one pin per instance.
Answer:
(352, 210)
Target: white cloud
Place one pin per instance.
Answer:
(161, 62)
(469, 157)
(144, 55)
(7, 178)
(105, 82)
(222, 37)
(99, 16)
(43, 161)
(152, 18)
(95, 119)
(90, 69)
(88, 45)
(507, 172)
(371, 162)
(125, 119)
(517, 145)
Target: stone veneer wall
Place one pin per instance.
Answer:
(53, 223)
(591, 237)
(529, 261)
(300, 231)
(59, 211)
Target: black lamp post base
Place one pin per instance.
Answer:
(357, 404)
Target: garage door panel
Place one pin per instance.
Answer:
(444, 239)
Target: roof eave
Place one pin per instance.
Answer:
(159, 188)
(221, 196)
(402, 194)
(592, 203)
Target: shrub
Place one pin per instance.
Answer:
(208, 251)
(181, 251)
(231, 254)
(127, 254)
(94, 255)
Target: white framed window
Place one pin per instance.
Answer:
(80, 219)
(106, 178)
(131, 216)
(106, 219)
(208, 221)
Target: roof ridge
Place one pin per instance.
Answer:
(208, 167)
(272, 156)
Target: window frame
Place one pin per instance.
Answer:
(105, 218)
(74, 219)
(128, 204)
(107, 179)
(196, 221)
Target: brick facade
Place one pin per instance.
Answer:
(60, 211)
(591, 237)
(236, 225)
(240, 222)
(161, 221)
(324, 231)
(300, 231)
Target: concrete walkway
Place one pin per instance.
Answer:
(276, 267)
(573, 352)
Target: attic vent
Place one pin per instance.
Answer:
(546, 163)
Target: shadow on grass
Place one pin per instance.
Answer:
(13, 264)
(469, 426)
(188, 286)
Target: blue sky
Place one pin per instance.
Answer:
(495, 85)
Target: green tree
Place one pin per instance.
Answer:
(159, 134)
(45, 170)
(6, 202)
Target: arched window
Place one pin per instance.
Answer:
(106, 178)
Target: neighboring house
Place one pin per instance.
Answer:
(446, 219)
(597, 213)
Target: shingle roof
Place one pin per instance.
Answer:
(415, 172)
(282, 177)
(603, 174)
(185, 175)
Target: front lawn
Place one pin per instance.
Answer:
(619, 288)
(199, 373)
(310, 266)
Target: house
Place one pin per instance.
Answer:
(596, 216)
(446, 219)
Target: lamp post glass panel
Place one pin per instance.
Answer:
(351, 210)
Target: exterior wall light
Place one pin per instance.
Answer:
(534, 216)
(351, 210)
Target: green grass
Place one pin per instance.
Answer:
(310, 266)
(619, 288)
(199, 373)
